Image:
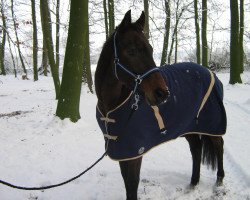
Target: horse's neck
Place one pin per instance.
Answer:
(111, 96)
(110, 91)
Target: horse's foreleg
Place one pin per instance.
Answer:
(195, 148)
(131, 175)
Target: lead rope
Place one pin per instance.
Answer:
(54, 185)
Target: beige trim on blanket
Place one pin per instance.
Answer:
(108, 120)
(110, 137)
(158, 117)
(188, 133)
(209, 90)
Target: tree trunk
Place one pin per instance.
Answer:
(212, 41)
(45, 63)
(178, 17)
(106, 18)
(241, 37)
(197, 32)
(68, 103)
(166, 35)
(17, 39)
(2, 43)
(111, 16)
(204, 34)
(176, 48)
(2, 72)
(234, 44)
(12, 57)
(46, 27)
(57, 33)
(146, 27)
(35, 46)
(87, 77)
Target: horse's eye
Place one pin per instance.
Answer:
(132, 52)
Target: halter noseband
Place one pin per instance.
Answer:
(138, 78)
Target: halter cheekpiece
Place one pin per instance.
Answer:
(138, 78)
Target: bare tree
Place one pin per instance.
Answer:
(178, 14)
(204, 34)
(68, 102)
(167, 32)
(241, 37)
(146, 10)
(2, 43)
(35, 45)
(57, 33)
(45, 61)
(197, 32)
(106, 18)
(17, 39)
(47, 35)
(87, 77)
(12, 57)
(234, 44)
(111, 16)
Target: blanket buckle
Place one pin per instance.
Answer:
(135, 105)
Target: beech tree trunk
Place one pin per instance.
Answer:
(146, 27)
(111, 16)
(17, 39)
(197, 32)
(69, 98)
(2, 43)
(234, 44)
(35, 46)
(46, 27)
(106, 18)
(174, 35)
(87, 77)
(45, 62)
(12, 58)
(204, 34)
(57, 34)
(166, 35)
(241, 37)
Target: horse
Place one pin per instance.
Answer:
(128, 81)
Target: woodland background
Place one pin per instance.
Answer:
(34, 34)
(40, 63)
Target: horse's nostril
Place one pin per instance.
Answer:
(161, 95)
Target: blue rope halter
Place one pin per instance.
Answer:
(138, 78)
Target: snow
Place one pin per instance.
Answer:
(38, 149)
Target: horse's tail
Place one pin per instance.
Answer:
(209, 152)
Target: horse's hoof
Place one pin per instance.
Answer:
(192, 186)
(219, 181)
(189, 188)
(194, 182)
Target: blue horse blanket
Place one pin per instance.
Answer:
(195, 106)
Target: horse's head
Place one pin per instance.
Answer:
(135, 54)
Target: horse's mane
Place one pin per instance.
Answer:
(103, 62)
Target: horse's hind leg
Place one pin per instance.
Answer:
(195, 148)
(131, 175)
(218, 144)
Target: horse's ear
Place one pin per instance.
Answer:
(141, 21)
(126, 20)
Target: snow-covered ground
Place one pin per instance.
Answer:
(37, 149)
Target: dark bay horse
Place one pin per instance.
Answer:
(127, 74)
